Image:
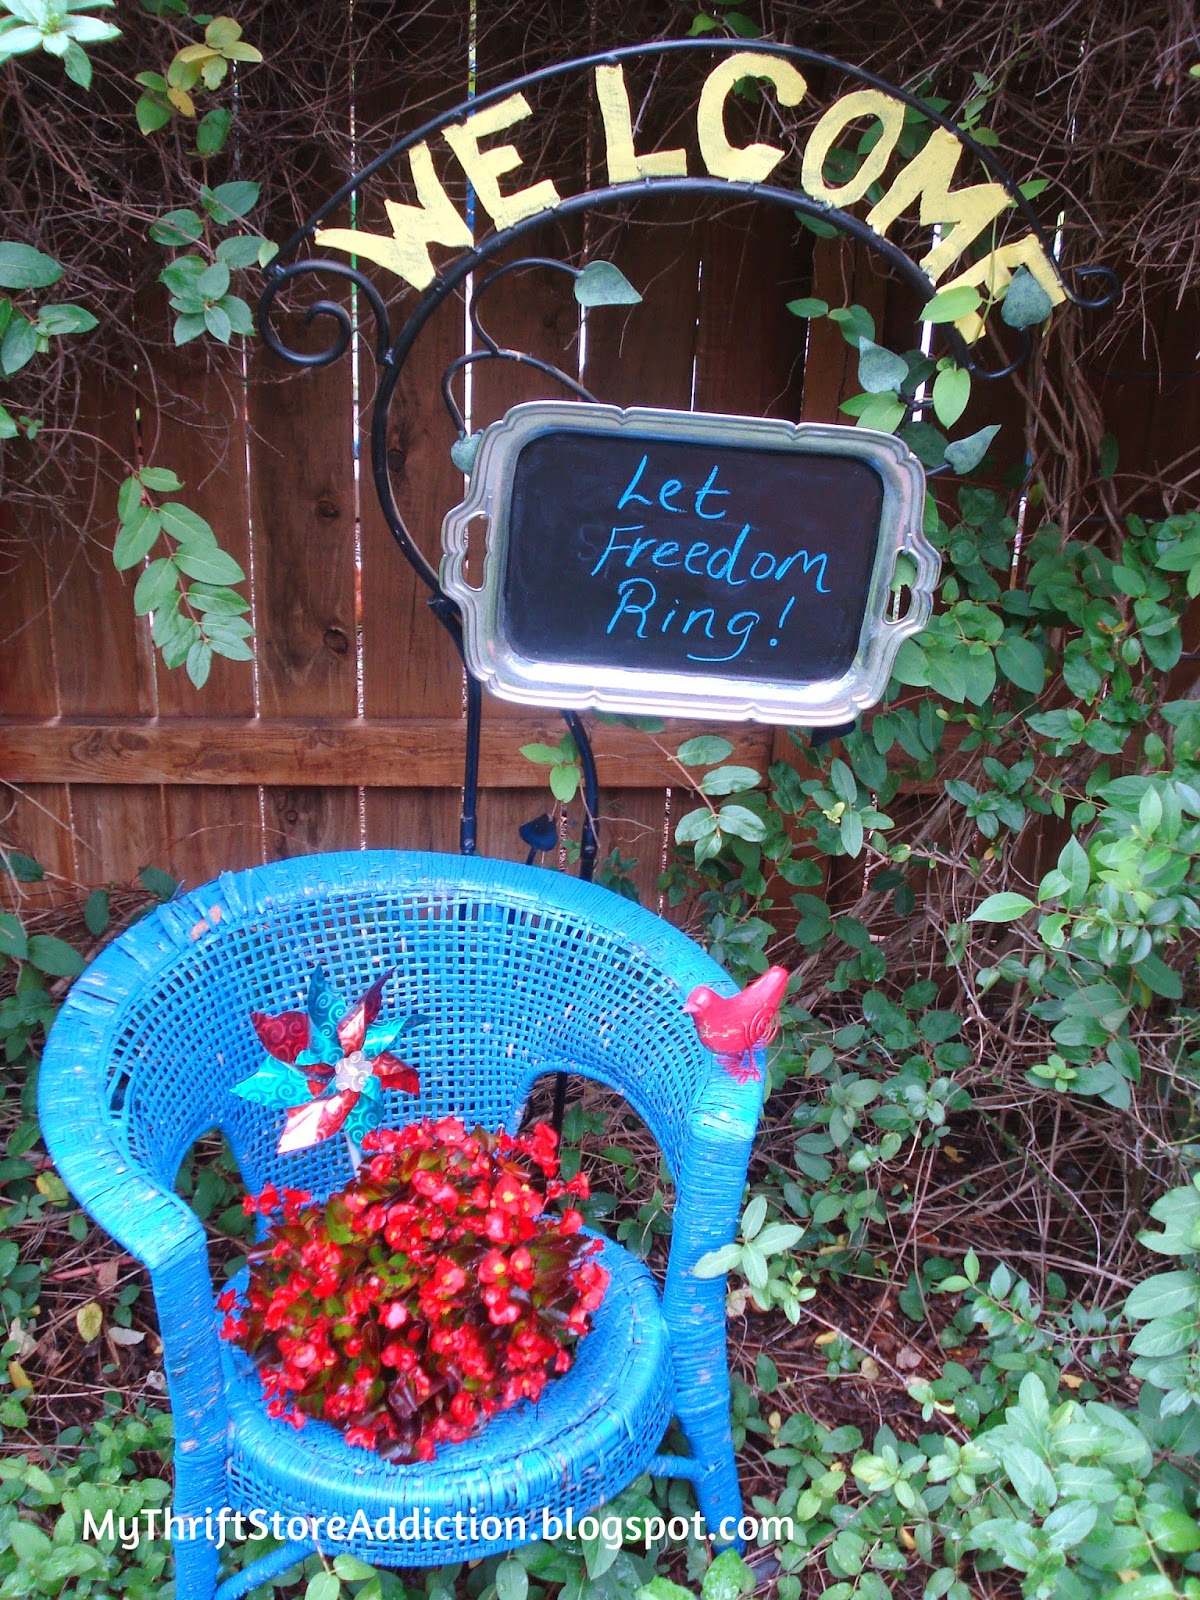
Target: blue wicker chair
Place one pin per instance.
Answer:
(524, 972)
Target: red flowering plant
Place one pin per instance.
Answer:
(432, 1292)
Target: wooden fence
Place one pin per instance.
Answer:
(348, 730)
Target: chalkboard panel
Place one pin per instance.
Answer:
(674, 553)
(688, 564)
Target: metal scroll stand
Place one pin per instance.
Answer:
(391, 350)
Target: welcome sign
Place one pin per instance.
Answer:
(688, 564)
(663, 561)
(955, 218)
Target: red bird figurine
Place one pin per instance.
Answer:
(734, 1026)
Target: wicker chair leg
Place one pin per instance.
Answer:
(718, 1493)
(196, 1566)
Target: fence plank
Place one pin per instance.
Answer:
(410, 664)
(115, 678)
(303, 507)
(301, 820)
(194, 421)
(407, 753)
(35, 819)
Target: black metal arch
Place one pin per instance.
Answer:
(391, 349)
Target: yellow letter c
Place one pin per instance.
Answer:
(753, 162)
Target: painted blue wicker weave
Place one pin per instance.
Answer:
(524, 972)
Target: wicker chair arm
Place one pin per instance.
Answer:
(716, 1154)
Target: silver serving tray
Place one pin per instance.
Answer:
(701, 693)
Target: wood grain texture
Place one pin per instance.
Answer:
(36, 820)
(194, 422)
(410, 665)
(300, 821)
(304, 521)
(423, 818)
(408, 753)
(119, 831)
(103, 655)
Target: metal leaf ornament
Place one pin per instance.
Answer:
(329, 1064)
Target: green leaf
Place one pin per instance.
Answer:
(188, 327)
(951, 392)
(1030, 1476)
(229, 201)
(199, 662)
(778, 1236)
(952, 304)
(694, 826)
(964, 455)
(28, 1541)
(57, 320)
(209, 566)
(152, 113)
(1076, 869)
(727, 1578)
(77, 66)
(730, 780)
(155, 585)
(129, 497)
(880, 371)
(564, 781)
(176, 228)
(23, 868)
(1070, 1523)
(160, 479)
(136, 537)
(511, 1580)
(883, 412)
(808, 308)
(850, 828)
(546, 755)
(602, 284)
(228, 645)
(8, 428)
(19, 345)
(212, 131)
(1021, 662)
(160, 884)
(1159, 978)
(23, 267)
(216, 320)
(1005, 907)
(55, 957)
(856, 323)
(660, 1588)
(13, 939)
(742, 823)
(240, 251)
(754, 1216)
(323, 1586)
(717, 1262)
(705, 750)
(1026, 302)
(95, 912)
(241, 318)
(213, 282)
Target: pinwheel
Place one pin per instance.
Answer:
(329, 1064)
